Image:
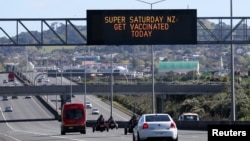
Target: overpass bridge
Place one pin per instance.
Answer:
(30, 88)
(160, 89)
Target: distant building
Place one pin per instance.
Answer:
(9, 67)
(178, 66)
(88, 58)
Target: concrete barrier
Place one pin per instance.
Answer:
(202, 125)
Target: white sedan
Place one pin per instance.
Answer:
(95, 111)
(155, 126)
(88, 105)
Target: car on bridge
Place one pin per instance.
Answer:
(8, 108)
(14, 97)
(5, 98)
(5, 81)
(15, 83)
(39, 80)
(46, 80)
(28, 97)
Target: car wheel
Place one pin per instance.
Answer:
(93, 129)
(134, 137)
(176, 139)
(62, 133)
(83, 132)
(125, 131)
(138, 137)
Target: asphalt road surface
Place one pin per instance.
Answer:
(30, 121)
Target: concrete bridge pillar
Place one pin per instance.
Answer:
(160, 103)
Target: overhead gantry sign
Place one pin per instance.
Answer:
(141, 27)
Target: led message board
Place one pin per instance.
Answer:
(141, 27)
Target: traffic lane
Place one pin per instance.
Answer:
(24, 109)
(25, 119)
(105, 109)
(193, 135)
(54, 81)
(114, 135)
(60, 81)
(111, 135)
(28, 111)
(4, 76)
(50, 130)
(4, 137)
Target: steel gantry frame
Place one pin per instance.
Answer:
(210, 30)
(45, 26)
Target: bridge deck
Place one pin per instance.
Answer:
(117, 89)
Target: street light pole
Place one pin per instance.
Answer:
(152, 59)
(111, 77)
(70, 82)
(73, 59)
(232, 66)
(85, 91)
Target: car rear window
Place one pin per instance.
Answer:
(153, 118)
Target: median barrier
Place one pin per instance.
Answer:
(49, 107)
(202, 125)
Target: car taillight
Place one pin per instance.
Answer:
(172, 125)
(145, 126)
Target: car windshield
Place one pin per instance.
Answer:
(153, 118)
(74, 114)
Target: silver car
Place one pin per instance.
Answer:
(88, 105)
(155, 126)
(5, 98)
(8, 109)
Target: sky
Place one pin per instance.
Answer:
(77, 8)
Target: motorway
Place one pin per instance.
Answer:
(30, 121)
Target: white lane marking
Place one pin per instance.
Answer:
(10, 137)
(8, 126)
